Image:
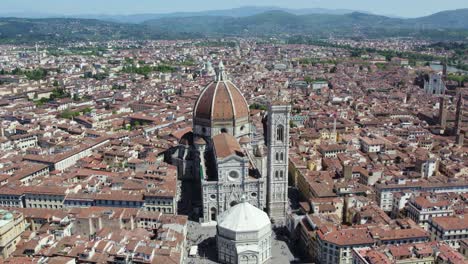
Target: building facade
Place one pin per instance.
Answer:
(244, 235)
(224, 159)
(12, 225)
(278, 150)
(435, 85)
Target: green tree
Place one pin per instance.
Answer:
(36, 74)
(258, 106)
(308, 79)
(16, 71)
(291, 124)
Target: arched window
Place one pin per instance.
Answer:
(282, 156)
(213, 214)
(277, 156)
(280, 133)
(276, 174)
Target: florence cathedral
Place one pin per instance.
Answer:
(224, 159)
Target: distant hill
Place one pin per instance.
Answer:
(447, 25)
(280, 22)
(57, 30)
(446, 19)
(234, 12)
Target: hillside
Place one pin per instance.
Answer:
(54, 30)
(352, 24)
(446, 19)
(139, 18)
(448, 25)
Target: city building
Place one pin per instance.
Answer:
(450, 229)
(435, 85)
(12, 226)
(244, 235)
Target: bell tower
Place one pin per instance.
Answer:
(278, 150)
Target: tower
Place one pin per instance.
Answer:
(442, 112)
(460, 138)
(278, 150)
(459, 114)
(38, 56)
(334, 135)
(444, 69)
(459, 120)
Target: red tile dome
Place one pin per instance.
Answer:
(221, 108)
(221, 101)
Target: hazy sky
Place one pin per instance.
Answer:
(407, 8)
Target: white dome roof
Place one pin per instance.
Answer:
(243, 217)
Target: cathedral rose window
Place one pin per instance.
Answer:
(233, 175)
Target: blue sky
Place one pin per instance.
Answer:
(406, 8)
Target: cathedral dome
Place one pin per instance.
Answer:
(221, 107)
(244, 217)
(221, 101)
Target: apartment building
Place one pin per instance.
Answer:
(451, 229)
(12, 225)
(386, 191)
(422, 208)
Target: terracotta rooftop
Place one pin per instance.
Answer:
(352, 236)
(226, 145)
(459, 222)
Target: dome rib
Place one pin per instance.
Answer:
(222, 104)
(201, 109)
(232, 104)
(213, 100)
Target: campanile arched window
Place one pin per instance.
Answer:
(280, 133)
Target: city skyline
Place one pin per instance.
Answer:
(400, 8)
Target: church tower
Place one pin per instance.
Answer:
(459, 120)
(459, 113)
(443, 112)
(278, 150)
